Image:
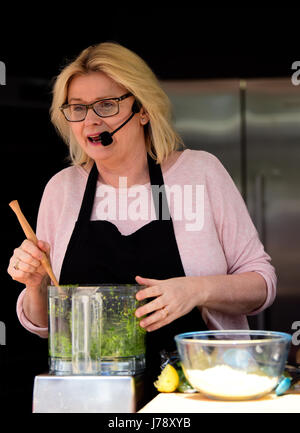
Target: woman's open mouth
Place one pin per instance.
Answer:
(95, 139)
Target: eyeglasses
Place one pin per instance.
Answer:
(103, 108)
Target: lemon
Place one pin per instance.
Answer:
(168, 380)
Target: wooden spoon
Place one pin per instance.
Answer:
(32, 237)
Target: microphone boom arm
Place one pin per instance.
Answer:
(106, 137)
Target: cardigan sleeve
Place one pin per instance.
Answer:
(238, 236)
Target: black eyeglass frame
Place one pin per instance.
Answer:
(88, 106)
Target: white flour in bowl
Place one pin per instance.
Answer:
(224, 382)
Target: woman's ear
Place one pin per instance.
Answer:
(144, 117)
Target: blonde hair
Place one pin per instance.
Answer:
(129, 70)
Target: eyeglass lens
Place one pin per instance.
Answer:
(105, 108)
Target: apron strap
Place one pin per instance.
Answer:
(158, 190)
(89, 194)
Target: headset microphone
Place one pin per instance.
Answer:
(106, 137)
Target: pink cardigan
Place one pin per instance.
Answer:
(214, 232)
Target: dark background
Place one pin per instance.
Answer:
(177, 43)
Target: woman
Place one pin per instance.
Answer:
(110, 110)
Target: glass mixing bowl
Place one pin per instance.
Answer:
(233, 365)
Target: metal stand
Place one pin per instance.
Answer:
(87, 394)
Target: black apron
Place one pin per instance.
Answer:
(99, 254)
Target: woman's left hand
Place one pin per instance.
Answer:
(174, 298)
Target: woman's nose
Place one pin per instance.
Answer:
(92, 118)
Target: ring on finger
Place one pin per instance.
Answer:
(16, 265)
(165, 311)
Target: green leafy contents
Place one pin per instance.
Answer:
(120, 335)
(126, 339)
(62, 347)
(60, 325)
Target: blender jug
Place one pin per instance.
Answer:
(93, 330)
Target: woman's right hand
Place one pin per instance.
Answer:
(25, 264)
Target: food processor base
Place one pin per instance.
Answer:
(87, 394)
